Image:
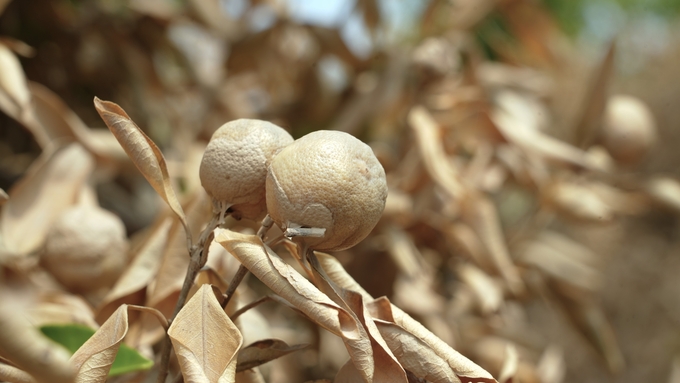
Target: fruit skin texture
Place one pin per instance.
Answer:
(86, 249)
(330, 180)
(234, 165)
(628, 130)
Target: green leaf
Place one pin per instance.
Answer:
(72, 336)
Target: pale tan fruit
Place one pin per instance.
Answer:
(328, 180)
(234, 166)
(86, 249)
(628, 129)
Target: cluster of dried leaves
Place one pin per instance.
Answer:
(481, 198)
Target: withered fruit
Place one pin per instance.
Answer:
(86, 249)
(234, 166)
(329, 181)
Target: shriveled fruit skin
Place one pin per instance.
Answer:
(330, 180)
(86, 249)
(234, 165)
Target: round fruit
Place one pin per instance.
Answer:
(628, 130)
(328, 180)
(86, 248)
(234, 165)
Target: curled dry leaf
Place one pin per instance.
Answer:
(143, 152)
(30, 351)
(94, 358)
(413, 354)
(302, 294)
(205, 340)
(264, 351)
(385, 367)
(50, 186)
(464, 369)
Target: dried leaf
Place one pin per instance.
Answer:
(12, 374)
(205, 340)
(143, 152)
(94, 358)
(3, 197)
(413, 354)
(465, 370)
(139, 273)
(293, 287)
(592, 320)
(30, 351)
(594, 102)
(564, 260)
(551, 367)
(55, 119)
(486, 290)
(578, 201)
(349, 373)
(469, 243)
(437, 164)
(510, 365)
(49, 187)
(14, 95)
(480, 214)
(264, 351)
(385, 365)
(168, 281)
(518, 124)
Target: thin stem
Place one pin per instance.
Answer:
(199, 255)
(250, 305)
(159, 315)
(267, 223)
(235, 281)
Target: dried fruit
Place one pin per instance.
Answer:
(86, 248)
(327, 180)
(628, 130)
(234, 165)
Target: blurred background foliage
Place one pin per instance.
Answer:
(183, 68)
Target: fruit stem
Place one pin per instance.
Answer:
(267, 223)
(199, 256)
